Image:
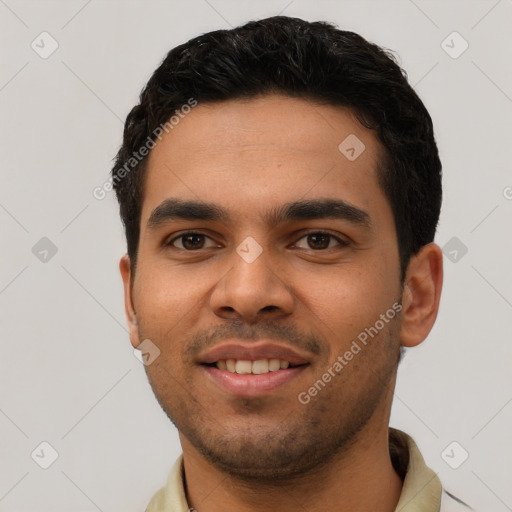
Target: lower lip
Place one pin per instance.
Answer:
(252, 385)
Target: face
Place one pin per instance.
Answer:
(264, 246)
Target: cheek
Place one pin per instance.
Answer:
(344, 301)
(166, 293)
(162, 307)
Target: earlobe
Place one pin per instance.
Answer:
(131, 315)
(421, 295)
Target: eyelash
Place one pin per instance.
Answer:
(341, 242)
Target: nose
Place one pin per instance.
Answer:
(252, 291)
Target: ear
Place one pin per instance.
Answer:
(421, 294)
(131, 316)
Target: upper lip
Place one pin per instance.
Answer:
(252, 352)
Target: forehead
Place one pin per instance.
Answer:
(244, 154)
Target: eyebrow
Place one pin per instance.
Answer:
(178, 209)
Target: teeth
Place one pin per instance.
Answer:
(274, 365)
(260, 366)
(245, 367)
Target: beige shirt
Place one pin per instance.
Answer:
(421, 491)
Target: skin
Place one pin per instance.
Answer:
(273, 452)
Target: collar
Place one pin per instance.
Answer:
(421, 490)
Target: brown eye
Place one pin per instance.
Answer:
(189, 241)
(319, 240)
(193, 241)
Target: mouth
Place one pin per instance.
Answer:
(255, 370)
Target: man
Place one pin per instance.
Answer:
(280, 188)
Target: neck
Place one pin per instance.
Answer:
(359, 479)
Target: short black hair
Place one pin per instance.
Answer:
(310, 60)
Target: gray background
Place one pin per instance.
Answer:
(69, 376)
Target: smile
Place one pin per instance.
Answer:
(258, 367)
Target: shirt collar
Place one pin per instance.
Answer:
(421, 490)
